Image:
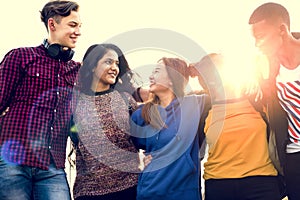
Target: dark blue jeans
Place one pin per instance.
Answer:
(248, 188)
(22, 182)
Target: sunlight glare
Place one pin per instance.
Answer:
(239, 71)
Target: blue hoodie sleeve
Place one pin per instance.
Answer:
(137, 134)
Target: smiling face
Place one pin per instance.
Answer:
(106, 71)
(159, 79)
(66, 30)
(270, 26)
(268, 37)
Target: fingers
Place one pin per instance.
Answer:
(144, 160)
(253, 88)
(147, 160)
(141, 159)
(259, 95)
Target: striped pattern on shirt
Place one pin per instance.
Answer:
(288, 91)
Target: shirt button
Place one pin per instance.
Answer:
(54, 110)
(51, 128)
(57, 93)
(49, 147)
(58, 75)
(37, 74)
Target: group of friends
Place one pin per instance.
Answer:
(136, 143)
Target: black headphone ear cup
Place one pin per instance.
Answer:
(54, 50)
(67, 55)
(71, 54)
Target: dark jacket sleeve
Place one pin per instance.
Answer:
(202, 140)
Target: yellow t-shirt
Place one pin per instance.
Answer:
(236, 135)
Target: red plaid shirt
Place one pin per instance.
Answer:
(37, 89)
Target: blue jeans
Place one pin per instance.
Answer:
(22, 182)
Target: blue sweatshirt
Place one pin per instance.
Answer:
(174, 169)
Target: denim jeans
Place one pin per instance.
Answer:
(23, 182)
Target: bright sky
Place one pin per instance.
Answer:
(214, 25)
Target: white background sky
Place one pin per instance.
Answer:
(215, 25)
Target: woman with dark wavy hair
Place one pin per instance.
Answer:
(106, 159)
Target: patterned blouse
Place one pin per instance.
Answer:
(106, 160)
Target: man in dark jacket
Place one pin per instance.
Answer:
(270, 24)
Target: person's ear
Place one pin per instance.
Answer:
(283, 29)
(51, 24)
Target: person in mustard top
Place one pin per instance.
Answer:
(238, 164)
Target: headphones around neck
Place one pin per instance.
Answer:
(56, 51)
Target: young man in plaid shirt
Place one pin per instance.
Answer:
(36, 85)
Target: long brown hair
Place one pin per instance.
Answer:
(178, 72)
